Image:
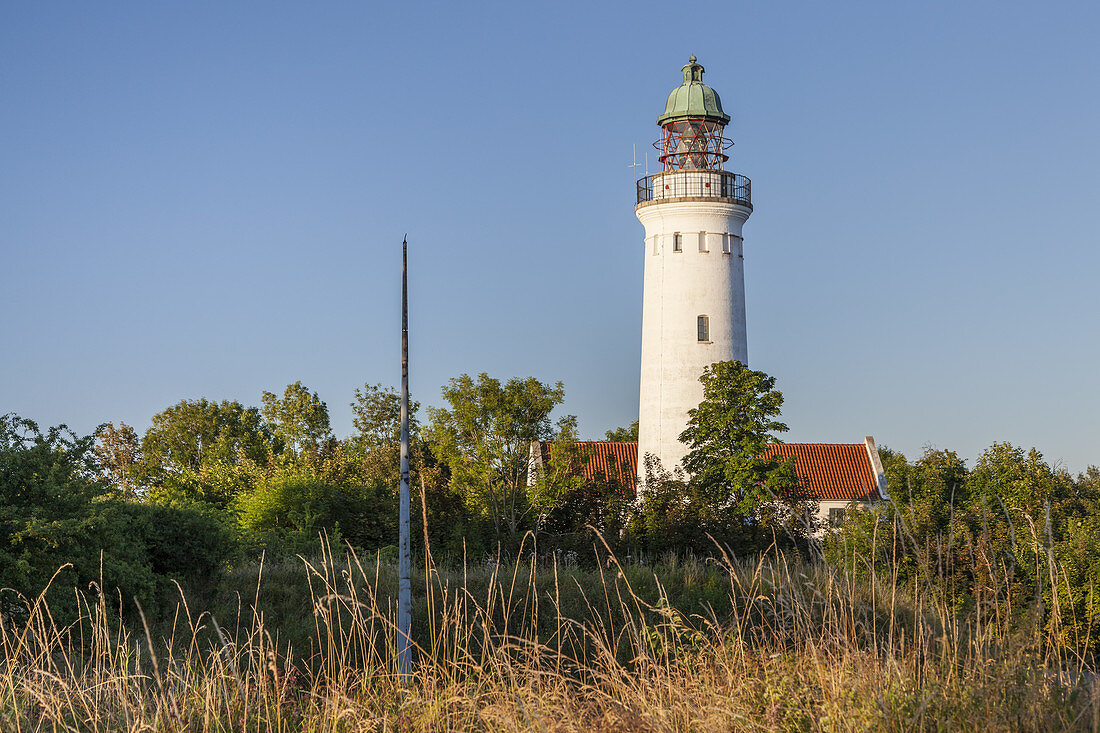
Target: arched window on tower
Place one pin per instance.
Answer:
(704, 329)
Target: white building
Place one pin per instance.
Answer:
(693, 312)
(836, 475)
(693, 305)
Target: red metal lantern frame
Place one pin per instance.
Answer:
(693, 144)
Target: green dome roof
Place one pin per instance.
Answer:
(693, 99)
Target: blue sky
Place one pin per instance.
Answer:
(208, 199)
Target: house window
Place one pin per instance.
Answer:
(704, 329)
(702, 241)
(677, 242)
(836, 516)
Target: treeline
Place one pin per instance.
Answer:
(1012, 535)
(212, 485)
(280, 479)
(216, 484)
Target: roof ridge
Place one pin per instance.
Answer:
(827, 471)
(857, 445)
(634, 442)
(598, 442)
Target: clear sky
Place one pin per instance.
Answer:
(208, 199)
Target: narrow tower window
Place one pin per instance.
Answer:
(704, 329)
(677, 242)
(703, 241)
(726, 243)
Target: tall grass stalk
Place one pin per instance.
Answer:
(763, 643)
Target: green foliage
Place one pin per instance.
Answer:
(927, 492)
(727, 434)
(299, 420)
(927, 496)
(52, 513)
(216, 483)
(377, 416)
(484, 437)
(675, 515)
(118, 451)
(629, 434)
(727, 490)
(565, 504)
(561, 477)
(1022, 481)
(188, 447)
(56, 512)
(988, 537)
(291, 504)
(187, 541)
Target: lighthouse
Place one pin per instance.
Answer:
(693, 302)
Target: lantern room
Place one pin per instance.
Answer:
(693, 125)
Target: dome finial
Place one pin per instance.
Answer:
(693, 99)
(693, 72)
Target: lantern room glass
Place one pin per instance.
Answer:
(693, 144)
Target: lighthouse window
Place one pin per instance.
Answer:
(677, 242)
(704, 329)
(702, 241)
(726, 242)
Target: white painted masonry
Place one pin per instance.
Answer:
(705, 277)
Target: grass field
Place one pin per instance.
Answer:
(676, 645)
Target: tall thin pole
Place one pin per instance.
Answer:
(404, 580)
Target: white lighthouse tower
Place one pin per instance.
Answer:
(693, 308)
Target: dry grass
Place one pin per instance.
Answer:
(794, 647)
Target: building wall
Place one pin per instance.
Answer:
(705, 278)
(825, 505)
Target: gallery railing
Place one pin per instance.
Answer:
(695, 184)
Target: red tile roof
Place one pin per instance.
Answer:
(836, 471)
(616, 460)
(829, 471)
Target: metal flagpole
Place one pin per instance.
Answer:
(404, 581)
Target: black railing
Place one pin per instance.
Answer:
(695, 183)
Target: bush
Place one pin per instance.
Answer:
(291, 505)
(58, 517)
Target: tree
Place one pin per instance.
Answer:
(55, 511)
(629, 434)
(928, 498)
(1023, 481)
(377, 411)
(291, 503)
(194, 432)
(1020, 504)
(118, 451)
(197, 449)
(299, 420)
(927, 492)
(561, 476)
(485, 437)
(727, 434)
(576, 490)
(52, 504)
(1087, 485)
